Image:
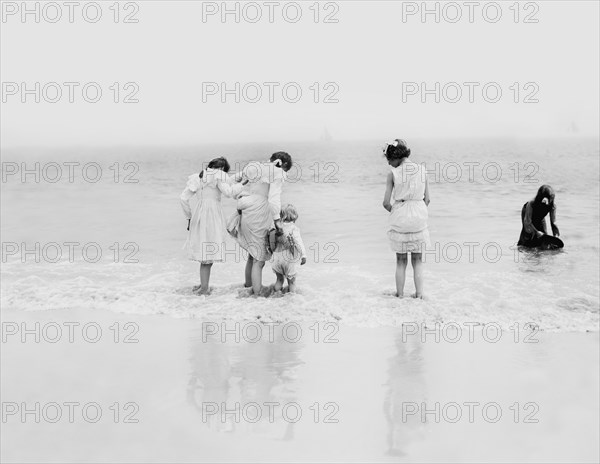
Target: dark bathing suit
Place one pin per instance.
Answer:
(539, 212)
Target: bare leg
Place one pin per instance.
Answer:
(417, 264)
(248, 272)
(257, 268)
(204, 278)
(292, 284)
(279, 283)
(401, 262)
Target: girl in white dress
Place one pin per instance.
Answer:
(207, 233)
(258, 211)
(406, 198)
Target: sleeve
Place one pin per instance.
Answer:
(228, 186)
(553, 226)
(527, 222)
(190, 190)
(275, 188)
(553, 213)
(298, 241)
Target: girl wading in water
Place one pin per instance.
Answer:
(406, 198)
(259, 207)
(533, 216)
(206, 226)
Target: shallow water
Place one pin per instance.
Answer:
(364, 395)
(338, 193)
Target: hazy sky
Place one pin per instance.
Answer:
(370, 55)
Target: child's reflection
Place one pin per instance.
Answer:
(406, 389)
(258, 379)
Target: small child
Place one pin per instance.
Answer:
(288, 249)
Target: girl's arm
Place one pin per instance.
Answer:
(389, 187)
(426, 197)
(237, 177)
(298, 241)
(227, 188)
(528, 224)
(553, 225)
(190, 190)
(275, 188)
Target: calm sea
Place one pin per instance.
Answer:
(473, 271)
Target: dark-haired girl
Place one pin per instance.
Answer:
(406, 198)
(206, 226)
(259, 207)
(533, 216)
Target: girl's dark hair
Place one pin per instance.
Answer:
(397, 150)
(218, 163)
(285, 158)
(545, 191)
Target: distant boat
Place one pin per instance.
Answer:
(573, 128)
(326, 136)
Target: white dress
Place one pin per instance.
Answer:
(259, 206)
(289, 251)
(408, 231)
(207, 235)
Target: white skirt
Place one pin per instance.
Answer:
(207, 236)
(408, 231)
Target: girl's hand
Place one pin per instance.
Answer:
(387, 206)
(278, 227)
(303, 262)
(555, 231)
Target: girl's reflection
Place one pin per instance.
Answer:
(406, 389)
(245, 385)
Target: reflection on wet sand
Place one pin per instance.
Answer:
(406, 384)
(245, 386)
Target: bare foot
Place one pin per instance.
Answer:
(267, 291)
(400, 295)
(244, 293)
(417, 296)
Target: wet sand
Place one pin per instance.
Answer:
(370, 396)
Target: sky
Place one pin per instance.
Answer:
(362, 77)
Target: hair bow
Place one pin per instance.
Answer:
(392, 144)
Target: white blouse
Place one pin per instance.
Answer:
(263, 178)
(409, 181)
(213, 183)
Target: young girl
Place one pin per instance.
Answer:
(258, 211)
(533, 216)
(288, 249)
(406, 198)
(207, 233)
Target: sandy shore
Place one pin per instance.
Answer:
(170, 390)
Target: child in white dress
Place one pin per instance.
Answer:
(407, 198)
(288, 249)
(207, 234)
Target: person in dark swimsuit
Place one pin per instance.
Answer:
(533, 214)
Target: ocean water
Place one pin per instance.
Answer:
(473, 273)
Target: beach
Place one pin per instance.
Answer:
(499, 362)
(356, 393)
(123, 340)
